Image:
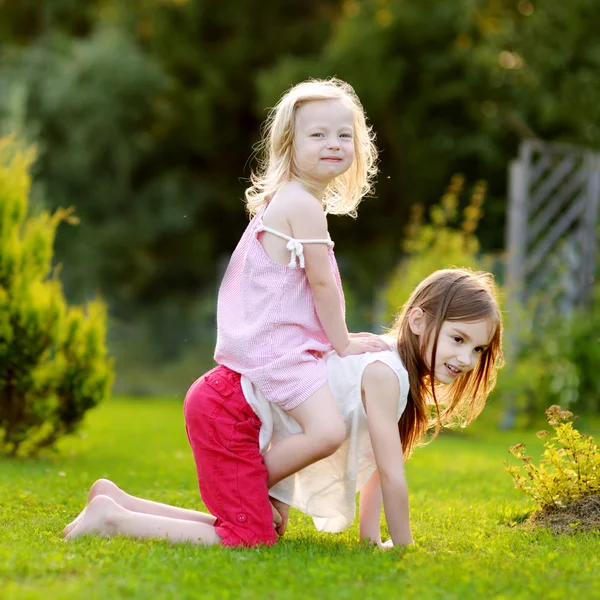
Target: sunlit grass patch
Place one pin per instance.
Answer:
(465, 515)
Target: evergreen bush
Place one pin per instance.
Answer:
(54, 364)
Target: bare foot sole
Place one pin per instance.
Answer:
(101, 487)
(67, 530)
(95, 518)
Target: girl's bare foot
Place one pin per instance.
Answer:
(96, 518)
(67, 530)
(101, 487)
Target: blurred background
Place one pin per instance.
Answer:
(144, 115)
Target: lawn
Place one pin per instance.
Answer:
(464, 515)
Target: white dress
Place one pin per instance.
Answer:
(326, 490)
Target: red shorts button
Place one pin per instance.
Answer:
(224, 387)
(241, 518)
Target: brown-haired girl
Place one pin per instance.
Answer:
(445, 350)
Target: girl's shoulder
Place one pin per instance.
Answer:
(345, 375)
(379, 371)
(387, 364)
(355, 364)
(296, 209)
(295, 197)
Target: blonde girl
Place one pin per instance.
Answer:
(281, 305)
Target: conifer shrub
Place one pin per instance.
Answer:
(54, 364)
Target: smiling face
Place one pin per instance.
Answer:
(459, 347)
(323, 141)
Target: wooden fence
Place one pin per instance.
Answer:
(552, 224)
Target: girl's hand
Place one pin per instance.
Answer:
(365, 334)
(360, 343)
(277, 519)
(388, 545)
(281, 514)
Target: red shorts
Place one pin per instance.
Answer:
(223, 433)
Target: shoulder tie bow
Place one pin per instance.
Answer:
(297, 254)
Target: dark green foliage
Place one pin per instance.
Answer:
(463, 513)
(145, 113)
(552, 359)
(146, 122)
(53, 360)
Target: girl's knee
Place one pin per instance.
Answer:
(329, 439)
(321, 423)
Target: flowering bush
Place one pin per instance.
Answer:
(447, 240)
(569, 469)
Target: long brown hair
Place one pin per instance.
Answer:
(446, 295)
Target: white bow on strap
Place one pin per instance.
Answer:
(297, 253)
(295, 246)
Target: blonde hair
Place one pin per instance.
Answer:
(446, 295)
(276, 149)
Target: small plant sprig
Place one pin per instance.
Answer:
(569, 469)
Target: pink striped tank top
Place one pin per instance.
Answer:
(267, 324)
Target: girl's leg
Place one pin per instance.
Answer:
(323, 432)
(105, 487)
(104, 517)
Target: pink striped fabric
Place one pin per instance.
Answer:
(267, 324)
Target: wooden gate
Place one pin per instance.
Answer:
(552, 221)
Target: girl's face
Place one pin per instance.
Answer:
(460, 346)
(323, 140)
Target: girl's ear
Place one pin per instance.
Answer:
(416, 320)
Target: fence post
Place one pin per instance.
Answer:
(516, 239)
(516, 244)
(590, 245)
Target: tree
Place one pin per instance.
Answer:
(452, 87)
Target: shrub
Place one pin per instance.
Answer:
(551, 358)
(446, 241)
(554, 359)
(568, 471)
(53, 358)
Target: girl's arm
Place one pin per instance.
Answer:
(382, 391)
(369, 511)
(307, 221)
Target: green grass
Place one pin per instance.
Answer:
(463, 508)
